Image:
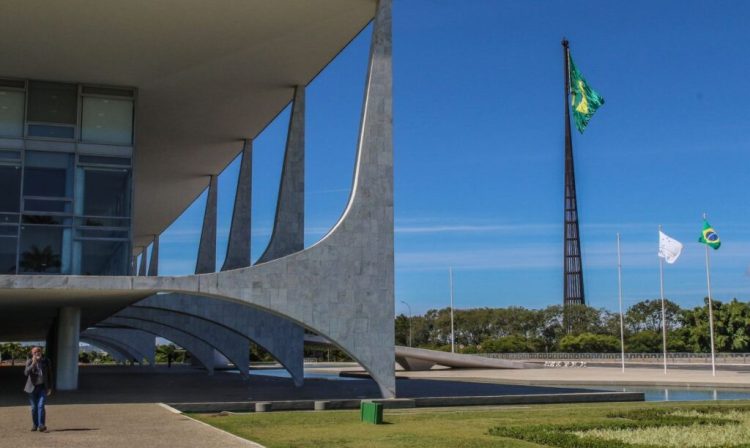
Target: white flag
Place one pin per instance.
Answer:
(669, 248)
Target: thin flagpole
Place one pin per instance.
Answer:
(710, 309)
(453, 334)
(619, 291)
(663, 312)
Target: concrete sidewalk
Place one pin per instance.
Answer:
(594, 376)
(112, 426)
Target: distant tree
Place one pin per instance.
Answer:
(85, 357)
(520, 329)
(731, 327)
(646, 315)
(12, 351)
(402, 330)
(646, 341)
(589, 343)
(511, 344)
(164, 351)
(325, 353)
(553, 328)
(583, 319)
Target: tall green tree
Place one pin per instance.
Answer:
(646, 315)
(731, 327)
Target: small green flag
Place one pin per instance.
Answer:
(709, 236)
(583, 99)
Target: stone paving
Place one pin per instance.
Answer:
(180, 384)
(116, 406)
(111, 426)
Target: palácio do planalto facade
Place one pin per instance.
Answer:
(115, 116)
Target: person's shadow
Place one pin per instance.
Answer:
(72, 429)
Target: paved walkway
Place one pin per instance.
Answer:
(112, 384)
(111, 426)
(595, 376)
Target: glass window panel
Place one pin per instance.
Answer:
(106, 192)
(45, 219)
(10, 155)
(41, 205)
(53, 103)
(103, 222)
(41, 249)
(8, 255)
(47, 182)
(9, 231)
(48, 175)
(104, 258)
(42, 159)
(8, 217)
(12, 83)
(10, 188)
(110, 91)
(103, 160)
(11, 113)
(107, 120)
(102, 233)
(49, 131)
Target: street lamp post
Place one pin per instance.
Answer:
(453, 334)
(407, 305)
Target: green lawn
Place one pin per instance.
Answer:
(467, 427)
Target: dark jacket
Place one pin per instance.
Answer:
(33, 375)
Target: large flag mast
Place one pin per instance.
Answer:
(572, 266)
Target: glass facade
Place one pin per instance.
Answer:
(11, 113)
(107, 120)
(52, 110)
(65, 178)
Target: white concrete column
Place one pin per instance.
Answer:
(207, 247)
(238, 247)
(153, 265)
(68, 333)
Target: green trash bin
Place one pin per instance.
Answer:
(371, 412)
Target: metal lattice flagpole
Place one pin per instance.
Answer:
(572, 265)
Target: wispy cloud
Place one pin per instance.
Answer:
(187, 236)
(536, 256)
(596, 255)
(431, 225)
(472, 228)
(437, 225)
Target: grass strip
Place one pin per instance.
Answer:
(563, 435)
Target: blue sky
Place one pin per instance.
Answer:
(478, 135)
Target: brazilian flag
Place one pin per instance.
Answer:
(709, 236)
(584, 100)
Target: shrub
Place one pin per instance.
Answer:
(510, 344)
(589, 343)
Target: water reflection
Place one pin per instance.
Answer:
(282, 373)
(680, 393)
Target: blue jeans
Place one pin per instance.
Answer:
(37, 400)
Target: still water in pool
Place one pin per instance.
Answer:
(679, 393)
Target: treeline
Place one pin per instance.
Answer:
(581, 328)
(13, 353)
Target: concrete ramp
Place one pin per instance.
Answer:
(422, 359)
(415, 359)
